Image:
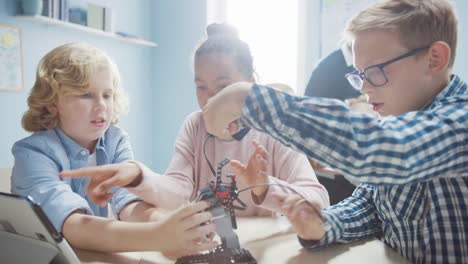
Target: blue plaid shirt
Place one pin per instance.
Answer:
(413, 168)
(40, 157)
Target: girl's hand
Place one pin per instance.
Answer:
(305, 217)
(186, 231)
(255, 173)
(105, 177)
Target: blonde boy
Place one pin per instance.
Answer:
(412, 163)
(73, 108)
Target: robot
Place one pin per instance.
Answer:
(221, 197)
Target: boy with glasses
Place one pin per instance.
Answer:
(412, 163)
(375, 74)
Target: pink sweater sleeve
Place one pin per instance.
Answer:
(174, 188)
(293, 170)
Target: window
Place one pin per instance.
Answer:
(270, 28)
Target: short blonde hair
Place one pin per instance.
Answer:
(67, 70)
(418, 22)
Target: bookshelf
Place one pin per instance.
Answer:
(55, 22)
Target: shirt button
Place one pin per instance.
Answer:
(83, 152)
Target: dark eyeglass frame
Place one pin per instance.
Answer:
(380, 66)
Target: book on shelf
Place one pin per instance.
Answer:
(47, 8)
(95, 16)
(77, 12)
(108, 22)
(56, 9)
(63, 10)
(80, 12)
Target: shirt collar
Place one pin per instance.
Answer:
(72, 148)
(456, 87)
(101, 142)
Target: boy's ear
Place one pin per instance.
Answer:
(439, 56)
(52, 108)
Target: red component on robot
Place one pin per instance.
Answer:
(223, 193)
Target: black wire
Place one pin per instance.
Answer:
(206, 157)
(253, 186)
(279, 184)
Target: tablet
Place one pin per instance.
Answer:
(27, 235)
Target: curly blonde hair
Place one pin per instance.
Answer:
(418, 22)
(67, 70)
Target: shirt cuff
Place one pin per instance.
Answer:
(121, 198)
(250, 111)
(145, 183)
(161, 191)
(59, 214)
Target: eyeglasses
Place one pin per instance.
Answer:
(375, 74)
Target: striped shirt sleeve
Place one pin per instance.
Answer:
(413, 147)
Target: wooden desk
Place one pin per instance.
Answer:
(271, 241)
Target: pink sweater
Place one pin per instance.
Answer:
(188, 170)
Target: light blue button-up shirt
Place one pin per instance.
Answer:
(40, 157)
